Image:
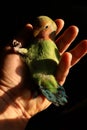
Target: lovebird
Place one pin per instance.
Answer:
(42, 58)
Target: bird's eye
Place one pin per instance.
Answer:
(46, 26)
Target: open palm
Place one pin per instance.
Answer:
(15, 81)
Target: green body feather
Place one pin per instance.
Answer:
(42, 57)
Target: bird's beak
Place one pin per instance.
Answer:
(36, 32)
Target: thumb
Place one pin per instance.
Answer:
(25, 34)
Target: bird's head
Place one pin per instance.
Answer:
(44, 27)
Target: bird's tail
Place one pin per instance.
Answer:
(58, 98)
(50, 88)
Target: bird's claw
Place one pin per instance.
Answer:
(16, 44)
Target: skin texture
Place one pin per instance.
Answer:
(17, 104)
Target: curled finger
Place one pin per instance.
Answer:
(78, 52)
(60, 24)
(65, 40)
(63, 68)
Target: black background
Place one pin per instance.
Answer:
(13, 16)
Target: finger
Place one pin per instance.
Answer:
(60, 24)
(78, 52)
(63, 68)
(25, 34)
(64, 41)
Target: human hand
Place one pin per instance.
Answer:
(18, 104)
(69, 58)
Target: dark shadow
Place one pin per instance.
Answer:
(58, 118)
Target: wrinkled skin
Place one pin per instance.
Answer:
(17, 104)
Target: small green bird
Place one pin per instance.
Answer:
(42, 58)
